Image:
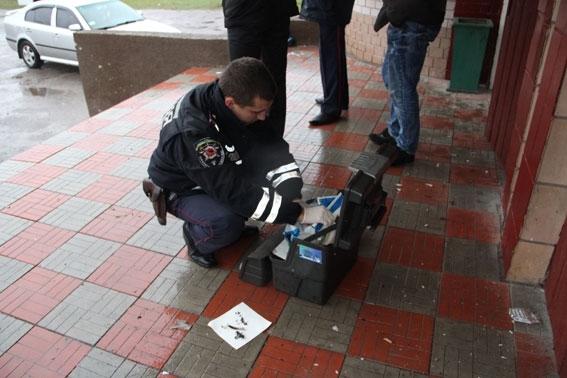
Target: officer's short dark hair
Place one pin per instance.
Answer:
(245, 78)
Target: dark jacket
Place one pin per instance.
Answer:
(239, 13)
(329, 12)
(398, 12)
(204, 148)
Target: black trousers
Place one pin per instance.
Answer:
(270, 45)
(333, 67)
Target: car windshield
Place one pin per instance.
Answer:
(108, 14)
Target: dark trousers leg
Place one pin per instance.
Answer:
(210, 224)
(269, 45)
(333, 66)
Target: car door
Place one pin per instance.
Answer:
(62, 38)
(37, 28)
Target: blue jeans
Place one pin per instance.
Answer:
(407, 48)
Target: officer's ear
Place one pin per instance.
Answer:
(229, 101)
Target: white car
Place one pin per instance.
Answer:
(43, 30)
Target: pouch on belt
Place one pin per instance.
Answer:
(156, 196)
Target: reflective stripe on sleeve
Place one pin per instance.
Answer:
(275, 208)
(285, 177)
(282, 169)
(262, 204)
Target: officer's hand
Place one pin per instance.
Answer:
(316, 214)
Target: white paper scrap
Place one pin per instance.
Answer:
(523, 315)
(239, 325)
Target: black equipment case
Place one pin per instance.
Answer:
(312, 271)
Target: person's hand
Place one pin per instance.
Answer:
(316, 214)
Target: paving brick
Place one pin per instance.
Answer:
(475, 198)
(472, 258)
(428, 170)
(11, 168)
(127, 146)
(117, 224)
(155, 237)
(467, 156)
(80, 256)
(11, 226)
(68, 157)
(36, 204)
(185, 286)
(66, 138)
(12, 330)
(202, 353)
(11, 270)
(133, 200)
(436, 137)
(102, 364)
(414, 249)
(71, 182)
(471, 350)
(74, 213)
(531, 298)
(328, 327)
(87, 313)
(134, 168)
(418, 216)
(357, 367)
(337, 155)
(37, 175)
(473, 224)
(10, 193)
(404, 288)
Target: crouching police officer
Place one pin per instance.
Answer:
(220, 164)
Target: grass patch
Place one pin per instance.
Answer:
(147, 4)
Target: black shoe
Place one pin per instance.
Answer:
(403, 158)
(205, 260)
(324, 119)
(291, 41)
(383, 138)
(321, 100)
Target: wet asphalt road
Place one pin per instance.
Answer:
(37, 104)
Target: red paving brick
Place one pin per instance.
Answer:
(117, 223)
(412, 249)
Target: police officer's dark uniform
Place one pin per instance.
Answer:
(332, 17)
(218, 172)
(260, 29)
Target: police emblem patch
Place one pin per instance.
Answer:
(210, 152)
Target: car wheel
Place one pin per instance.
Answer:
(30, 55)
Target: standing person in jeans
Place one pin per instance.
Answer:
(332, 17)
(414, 24)
(260, 29)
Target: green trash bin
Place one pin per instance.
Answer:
(469, 44)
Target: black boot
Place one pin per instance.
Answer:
(206, 260)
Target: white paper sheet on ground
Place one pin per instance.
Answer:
(239, 325)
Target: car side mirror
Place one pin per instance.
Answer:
(75, 27)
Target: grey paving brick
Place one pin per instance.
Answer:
(389, 184)
(477, 158)
(369, 103)
(356, 126)
(185, 286)
(310, 191)
(12, 330)
(404, 288)
(531, 298)
(66, 138)
(437, 111)
(370, 242)
(472, 258)
(463, 350)
(114, 113)
(307, 136)
(80, 256)
(435, 136)
(11, 168)
(202, 353)
(10, 226)
(338, 156)
(69, 157)
(11, 270)
(355, 367)
(418, 216)
(475, 198)
(10, 193)
(470, 127)
(135, 169)
(164, 239)
(121, 128)
(88, 312)
(74, 214)
(102, 364)
(128, 146)
(71, 182)
(136, 200)
(328, 327)
(428, 170)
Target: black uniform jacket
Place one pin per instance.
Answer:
(397, 12)
(242, 13)
(203, 147)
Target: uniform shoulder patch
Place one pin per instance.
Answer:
(210, 152)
